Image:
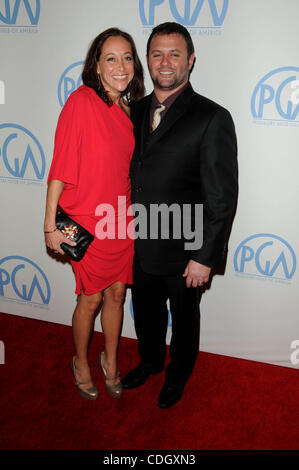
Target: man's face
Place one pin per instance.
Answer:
(168, 61)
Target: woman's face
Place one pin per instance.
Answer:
(116, 65)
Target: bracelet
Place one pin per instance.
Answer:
(52, 231)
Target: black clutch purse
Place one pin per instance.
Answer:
(76, 233)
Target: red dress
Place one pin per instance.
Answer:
(92, 153)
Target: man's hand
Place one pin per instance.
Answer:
(196, 274)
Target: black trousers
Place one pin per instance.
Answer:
(149, 296)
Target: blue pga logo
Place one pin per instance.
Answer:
(265, 255)
(19, 13)
(69, 81)
(273, 97)
(21, 154)
(195, 14)
(23, 280)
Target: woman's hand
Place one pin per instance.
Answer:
(54, 240)
(53, 236)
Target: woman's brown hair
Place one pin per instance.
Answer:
(135, 89)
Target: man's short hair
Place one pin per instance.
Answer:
(172, 28)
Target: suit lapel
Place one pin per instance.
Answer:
(144, 125)
(176, 110)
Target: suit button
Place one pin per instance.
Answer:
(139, 162)
(138, 189)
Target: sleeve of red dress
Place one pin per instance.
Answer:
(66, 157)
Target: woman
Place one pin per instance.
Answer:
(93, 147)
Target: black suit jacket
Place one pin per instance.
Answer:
(190, 158)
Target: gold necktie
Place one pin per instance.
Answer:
(157, 116)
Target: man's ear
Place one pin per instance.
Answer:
(191, 61)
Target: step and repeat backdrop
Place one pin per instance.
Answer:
(247, 60)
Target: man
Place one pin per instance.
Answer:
(185, 155)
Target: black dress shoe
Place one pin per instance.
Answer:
(138, 376)
(170, 394)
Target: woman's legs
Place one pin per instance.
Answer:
(83, 322)
(111, 320)
(113, 298)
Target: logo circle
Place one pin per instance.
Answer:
(68, 84)
(38, 172)
(244, 254)
(44, 294)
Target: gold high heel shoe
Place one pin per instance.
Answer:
(90, 393)
(115, 390)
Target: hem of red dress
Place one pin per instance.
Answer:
(79, 291)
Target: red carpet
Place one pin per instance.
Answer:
(228, 403)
